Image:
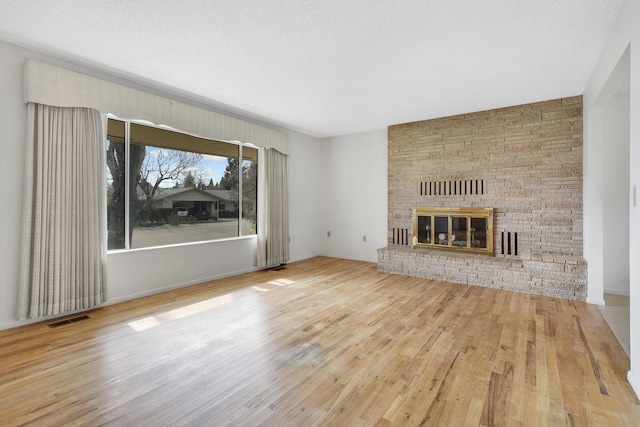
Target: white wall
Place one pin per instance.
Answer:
(354, 195)
(146, 271)
(13, 124)
(625, 35)
(616, 195)
(140, 272)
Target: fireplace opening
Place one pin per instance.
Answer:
(465, 229)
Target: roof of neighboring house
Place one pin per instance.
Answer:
(208, 195)
(170, 193)
(224, 195)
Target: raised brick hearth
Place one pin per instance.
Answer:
(525, 162)
(545, 274)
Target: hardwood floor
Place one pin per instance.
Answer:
(324, 342)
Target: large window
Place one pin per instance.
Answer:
(165, 187)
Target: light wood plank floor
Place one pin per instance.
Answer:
(325, 342)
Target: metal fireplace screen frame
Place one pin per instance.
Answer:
(462, 229)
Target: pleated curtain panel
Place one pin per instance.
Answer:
(64, 219)
(273, 220)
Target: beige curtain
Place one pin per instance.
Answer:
(64, 217)
(273, 213)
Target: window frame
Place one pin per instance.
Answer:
(127, 193)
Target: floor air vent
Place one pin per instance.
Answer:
(278, 268)
(68, 321)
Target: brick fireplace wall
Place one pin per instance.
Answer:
(526, 163)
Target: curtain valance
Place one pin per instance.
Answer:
(51, 85)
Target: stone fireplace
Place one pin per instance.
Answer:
(524, 163)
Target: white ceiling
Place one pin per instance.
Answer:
(329, 67)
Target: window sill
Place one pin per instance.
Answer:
(186, 244)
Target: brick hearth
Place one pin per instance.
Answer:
(552, 275)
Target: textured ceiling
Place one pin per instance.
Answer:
(329, 67)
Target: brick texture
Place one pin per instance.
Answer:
(530, 160)
(562, 276)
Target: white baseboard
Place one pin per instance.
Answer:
(303, 257)
(17, 323)
(623, 292)
(596, 301)
(128, 297)
(350, 258)
(635, 382)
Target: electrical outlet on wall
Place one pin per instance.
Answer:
(328, 234)
(364, 239)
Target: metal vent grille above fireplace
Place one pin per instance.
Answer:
(459, 187)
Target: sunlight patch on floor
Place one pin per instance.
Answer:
(180, 313)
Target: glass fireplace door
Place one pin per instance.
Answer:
(459, 235)
(478, 233)
(467, 229)
(441, 230)
(425, 229)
